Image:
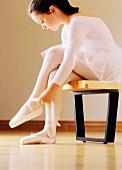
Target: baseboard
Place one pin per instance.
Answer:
(66, 126)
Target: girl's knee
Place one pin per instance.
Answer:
(53, 53)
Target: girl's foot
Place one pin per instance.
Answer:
(46, 136)
(29, 110)
(42, 137)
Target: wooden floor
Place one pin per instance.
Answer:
(66, 154)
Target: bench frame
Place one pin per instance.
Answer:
(110, 120)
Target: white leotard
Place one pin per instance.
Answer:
(88, 40)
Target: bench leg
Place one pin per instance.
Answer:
(110, 121)
(111, 116)
(79, 116)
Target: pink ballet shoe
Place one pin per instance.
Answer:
(38, 138)
(30, 110)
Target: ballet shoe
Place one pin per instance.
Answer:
(30, 110)
(38, 138)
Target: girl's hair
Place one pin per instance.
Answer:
(42, 6)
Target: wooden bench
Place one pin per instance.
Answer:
(86, 87)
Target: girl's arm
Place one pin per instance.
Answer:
(76, 34)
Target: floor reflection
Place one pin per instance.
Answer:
(46, 157)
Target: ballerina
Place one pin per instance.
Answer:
(88, 51)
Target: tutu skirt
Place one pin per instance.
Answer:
(105, 63)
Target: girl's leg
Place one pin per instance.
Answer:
(29, 110)
(53, 109)
(84, 71)
(51, 61)
(48, 134)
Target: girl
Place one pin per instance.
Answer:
(87, 51)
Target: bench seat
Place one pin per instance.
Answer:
(91, 85)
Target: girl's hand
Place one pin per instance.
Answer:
(46, 96)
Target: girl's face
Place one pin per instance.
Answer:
(47, 21)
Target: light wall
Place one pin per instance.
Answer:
(21, 41)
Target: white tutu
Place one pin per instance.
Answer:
(104, 63)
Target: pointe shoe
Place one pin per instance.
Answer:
(38, 138)
(30, 110)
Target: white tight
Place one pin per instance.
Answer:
(50, 65)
